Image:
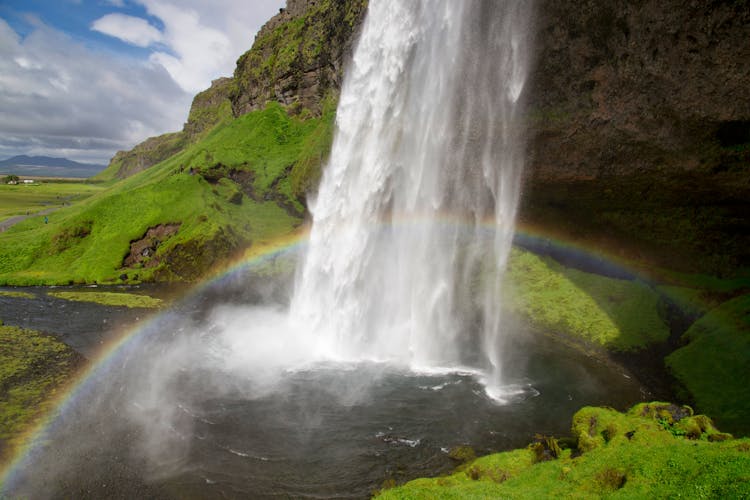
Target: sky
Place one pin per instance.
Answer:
(82, 79)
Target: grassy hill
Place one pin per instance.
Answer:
(243, 182)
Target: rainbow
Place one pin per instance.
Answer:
(124, 343)
(261, 252)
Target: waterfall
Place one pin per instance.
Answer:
(427, 153)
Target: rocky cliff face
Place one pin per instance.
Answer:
(298, 56)
(297, 59)
(640, 128)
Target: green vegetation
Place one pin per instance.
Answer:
(110, 298)
(144, 155)
(33, 367)
(228, 190)
(655, 450)
(600, 311)
(16, 294)
(22, 198)
(285, 54)
(210, 108)
(713, 364)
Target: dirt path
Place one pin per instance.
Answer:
(11, 221)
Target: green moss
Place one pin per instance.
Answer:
(16, 294)
(307, 170)
(639, 458)
(33, 367)
(110, 298)
(282, 57)
(606, 312)
(713, 364)
(210, 108)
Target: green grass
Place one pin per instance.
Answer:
(110, 298)
(150, 152)
(597, 310)
(644, 453)
(32, 198)
(16, 294)
(86, 243)
(713, 365)
(32, 367)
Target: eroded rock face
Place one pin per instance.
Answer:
(143, 250)
(620, 87)
(639, 123)
(299, 55)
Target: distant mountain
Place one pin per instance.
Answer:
(47, 166)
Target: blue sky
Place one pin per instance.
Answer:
(84, 78)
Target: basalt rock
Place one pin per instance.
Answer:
(299, 55)
(639, 123)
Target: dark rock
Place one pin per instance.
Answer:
(639, 124)
(143, 249)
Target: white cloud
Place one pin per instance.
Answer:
(130, 29)
(60, 98)
(204, 39)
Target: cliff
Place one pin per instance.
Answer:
(297, 59)
(298, 56)
(640, 129)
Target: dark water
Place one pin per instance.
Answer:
(159, 422)
(307, 442)
(85, 326)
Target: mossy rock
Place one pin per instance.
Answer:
(633, 454)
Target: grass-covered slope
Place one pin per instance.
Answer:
(181, 216)
(595, 310)
(709, 362)
(713, 366)
(32, 367)
(655, 450)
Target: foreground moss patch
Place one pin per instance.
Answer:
(16, 294)
(644, 453)
(33, 366)
(713, 365)
(607, 312)
(110, 298)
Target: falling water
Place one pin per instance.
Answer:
(428, 131)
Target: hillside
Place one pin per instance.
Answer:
(176, 220)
